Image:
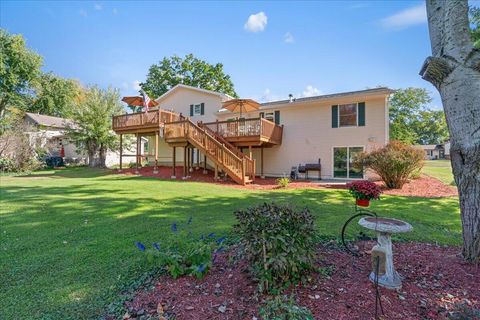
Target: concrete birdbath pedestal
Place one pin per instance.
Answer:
(384, 227)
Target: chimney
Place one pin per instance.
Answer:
(290, 97)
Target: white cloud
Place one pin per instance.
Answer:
(136, 85)
(288, 38)
(98, 6)
(406, 18)
(83, 12)
(256, 22)
(267, 96)
(310, 91)
(114, 10)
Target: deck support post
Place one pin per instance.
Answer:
(216, 172)
(174, 176)
(138, 154)
(261, 163)
(121, 152)
(205, 164)
(250, 151)
(155, 168)
(190, 163)
(198, 160)
(185, 162)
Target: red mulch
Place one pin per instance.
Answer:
(425, 186)
(436, 283)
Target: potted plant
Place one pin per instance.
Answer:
(364, 191)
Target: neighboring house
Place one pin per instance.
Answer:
(432, 151)
(331, 129)
(49, 132)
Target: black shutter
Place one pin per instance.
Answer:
(361, 114)
(202, 109)
(335, 116)
(262, 114)
(191, 110)
(277, 117)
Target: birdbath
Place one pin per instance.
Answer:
(384, 227)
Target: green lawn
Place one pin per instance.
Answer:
(67, 235)
(440, 169)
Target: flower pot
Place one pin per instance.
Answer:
(363, 202)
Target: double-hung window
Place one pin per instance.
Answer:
(197, 109)
(347, 114)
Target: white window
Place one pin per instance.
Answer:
(197, 110)
(270, 116)
(347, 115)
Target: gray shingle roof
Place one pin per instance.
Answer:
(49, 121)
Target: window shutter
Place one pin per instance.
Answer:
(335, 116)
(202, 109)
(262, 114)
(277, 117)
(361, 113)
(191, 110)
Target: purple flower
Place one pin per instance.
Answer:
(140, 246)
(156, 246)
(220, 240)
(201, 268)
(211, 235)
(174, 227)
(214, 257)
(221, 249)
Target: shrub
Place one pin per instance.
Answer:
(278, 242)
(283, 182)
(394, 163)
(363, 189)
(185, 255)
(283, 308)
(7, 164)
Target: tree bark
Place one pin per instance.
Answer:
(102, 157)
(454, 69)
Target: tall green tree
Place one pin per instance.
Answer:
(55, 96)
(19, 69)
(411, 120)
(92, 131)
(189, 71)
(475, 25)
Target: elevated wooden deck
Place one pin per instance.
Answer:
(143, 122)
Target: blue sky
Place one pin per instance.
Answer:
(270, 49)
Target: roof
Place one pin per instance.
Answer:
(428, 146)
(49, 121)
(223, 96)
(374, 91)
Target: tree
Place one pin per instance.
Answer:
(475, 22)
(55, 96)
(412, 121)
(19, 68)
(92, 131)
(454, 69)
(189, 71)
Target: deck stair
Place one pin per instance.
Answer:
(229, 158)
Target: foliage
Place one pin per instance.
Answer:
(7, 164)
(188, 71)
(92, 131)
(394, 163)
(284, 308)
(283, 182)
(363, 189)
(19, 69)
(278, 242)
(55, 96)
(475, 25)
(412, 122)
(183, 254)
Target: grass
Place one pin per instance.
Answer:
(67, 235)
(440, 169)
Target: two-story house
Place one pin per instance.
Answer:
(190, 127)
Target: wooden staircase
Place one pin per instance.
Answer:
(229, 158)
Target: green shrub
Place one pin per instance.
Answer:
(416, 174)
(184, 254)
(283, 308)
(278, 242)
(394, 163)
(283, 182)
(7, 164)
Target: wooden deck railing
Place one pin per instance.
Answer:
(238, 168)
(143, 120)
(260, 127)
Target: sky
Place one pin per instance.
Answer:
(270, 49)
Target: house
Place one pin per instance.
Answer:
(191, 127)
(50, 133)
(432, 151)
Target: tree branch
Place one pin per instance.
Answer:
(435, 70)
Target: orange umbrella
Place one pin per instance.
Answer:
(241, 105)
(138, 101)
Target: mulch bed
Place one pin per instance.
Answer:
(425, 186)
(437, 284)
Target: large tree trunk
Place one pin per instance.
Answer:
(92, 151)
(454, 69)
(102, 157)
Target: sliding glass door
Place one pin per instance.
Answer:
(343, 158)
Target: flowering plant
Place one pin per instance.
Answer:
(364, 189)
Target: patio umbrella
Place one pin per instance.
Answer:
(241, 105)
(138, 101)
